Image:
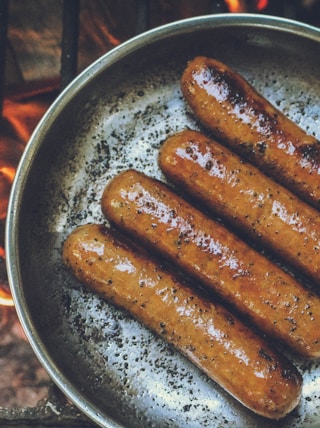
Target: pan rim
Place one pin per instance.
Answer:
(176, 28)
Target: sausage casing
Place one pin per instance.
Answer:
(248, 199)
(236, 114)
(151, 213)
(212, 338)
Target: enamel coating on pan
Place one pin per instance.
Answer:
(115, 115)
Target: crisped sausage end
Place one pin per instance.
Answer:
(242, 118)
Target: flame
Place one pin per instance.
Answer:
(18, 121)
(8, 172)
(5, 298)
(22, 118)
(236, 6)
(5, 295)
(262, 4)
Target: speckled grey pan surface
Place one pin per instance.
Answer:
(114, 116)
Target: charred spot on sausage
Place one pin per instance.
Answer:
(264, 354)
(311, 152)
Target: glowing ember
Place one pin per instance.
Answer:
(236, 6)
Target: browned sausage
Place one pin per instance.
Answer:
(212, 338)
(150, 212)
(249, 200)
(236, 114)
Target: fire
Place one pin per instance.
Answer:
(262, 4)
(18, 121)
(5, 298)
(5, 295)
(7, 174)
(236, 6)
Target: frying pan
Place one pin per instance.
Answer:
(115, 115)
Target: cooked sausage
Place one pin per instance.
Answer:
(251, 201)
(150, 212)
(236, 114)
(209, 335)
